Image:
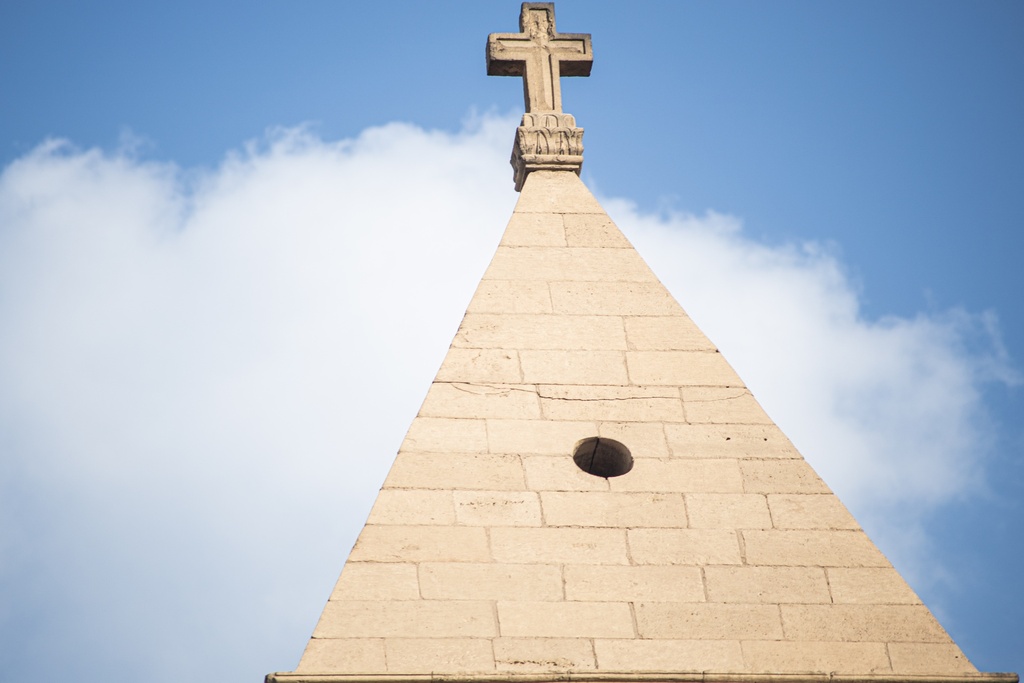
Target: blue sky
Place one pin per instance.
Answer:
(167, 438)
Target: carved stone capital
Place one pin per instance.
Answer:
(547, 141)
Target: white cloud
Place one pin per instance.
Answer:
(204, 377)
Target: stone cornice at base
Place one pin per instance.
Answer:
(611, 677)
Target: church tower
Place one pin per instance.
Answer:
(589, 491)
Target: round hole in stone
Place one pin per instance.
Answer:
(602, 457)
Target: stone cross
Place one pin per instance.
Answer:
(540, 55)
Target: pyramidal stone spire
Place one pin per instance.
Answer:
(589, 492)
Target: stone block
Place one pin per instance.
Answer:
(556, 192)
(643, 439)
(469, 581)
(421, 544)
(870, 586)
(573, 367)
(728, 441)
(565, 619)
(511, 296)
(612, 298)
(929, 658)
(680, 476)
(534, 230)
(780, 476)
(412, 506)
(810, 511)
(812, 549)
(559, 545)
(559, 473)
(456, 471)
(407, 619)
(718, 405)
(681, 368)
(443, 434)
(573, 264)
(429, 655)
(816, 657)
(480, 365)
(720, 656)
(665, 333)
(377, 581)
(540, 332)
(728, 511)
(544, 654)
(593, 230)
(696, 621)
(342, 655)
(606, 509)
(537, 437)
(459, 400)
(683, 546)
(637, 404)
(497, 508)
(862, 623)
(767, 585)
(605, 583)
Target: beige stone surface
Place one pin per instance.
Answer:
(349, 655)
(612, 298)
(681, 476)
(427, 655)
(534, 230)
(870, 586)
(636, 404)
(540, 332)
(607, 509)
(718, 621)
(497, 508)
(593, 230)
(573, 367)
(559, 473)
(767, 585)
(420, 544)
(535, 437)
(728, 511)
(576, 264)
(665, 333)
(377, 581)
(681, 368)
(780, 476)
(464, 400)
(565, 619)
(816, 657)
(811, 549)
(719, 405)
(441, 434)
(667, 654)
(544, 654)
(684, 546)
(406, 619)
(464, 471)
(559, 545)
(556, 192)
(633, 584)
(876, 623)
(760, 441)
(480, 365)
(511, 296)
(810, 511)
(926, 658)
(410, 506)
(645, 439)
(489, 581)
